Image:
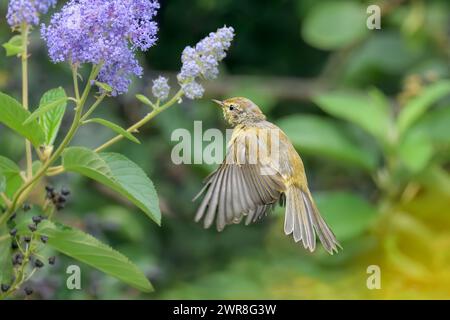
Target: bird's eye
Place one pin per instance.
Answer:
(231, 107)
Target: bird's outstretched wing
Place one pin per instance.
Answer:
(239, 187)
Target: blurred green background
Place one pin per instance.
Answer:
(368, 110)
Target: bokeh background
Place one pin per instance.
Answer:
(337, 89)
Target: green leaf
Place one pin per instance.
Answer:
(416, 150)
(8, 166)
(414, 109)
(371, 56)
(87, 249)
(117, 172)
(144, 99)
(437, 180)
(12, 114)
(14, 46)
(6, 267)
(347, 214)
(2, 183)
(333, 25)
(435, 124)
(319, 136)
(48, 105)
(106, 87)
(50, 121)
(370, 112)
(11, 175)
(115, 128)
(8, 171)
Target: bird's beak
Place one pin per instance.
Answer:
(220, 103)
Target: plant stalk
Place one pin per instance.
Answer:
(143, 121)
(24, 29)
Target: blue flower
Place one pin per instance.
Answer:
(193, 90)
(106, 32)
(161, 88)
(27, 11)
(203, 61)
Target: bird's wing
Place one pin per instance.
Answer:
(240, 186)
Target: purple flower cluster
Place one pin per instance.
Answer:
(27, 11)
(161, 88)
(203, 61)
(106, 32)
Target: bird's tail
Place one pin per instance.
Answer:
(303, 220)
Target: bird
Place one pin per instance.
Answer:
(261, 169)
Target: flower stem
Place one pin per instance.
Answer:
(93, 107)
(75, 82)
(24, 29)
(143, 121)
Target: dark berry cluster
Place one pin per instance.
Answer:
(23, 246)
(58, 198)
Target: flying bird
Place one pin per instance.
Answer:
(261, 168)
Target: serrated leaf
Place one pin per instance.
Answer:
(46, 107)
(50, 121)
(367, 111)
(414, 109)
(87, 249)
(116, 128)
(14, 46)
(117, 172)
(12, 114)
(8, 166)
(320, 136)
(11, 173)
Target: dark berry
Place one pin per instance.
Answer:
(65, 191)
(26, 207)
(61, 199)
(59, 206)
(13, 216)
(5, 287)
(28, 291)
(50, 192)
(13, 232)
(14, 245)
(55, 197)
(51, 260)
(38, 263)
(44, 239)
(50, 195)
(27, 239)
(36, 219)
(32, 227)
(18, 259)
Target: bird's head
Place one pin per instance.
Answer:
(240, 110)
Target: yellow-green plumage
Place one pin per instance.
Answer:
(241, 187)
